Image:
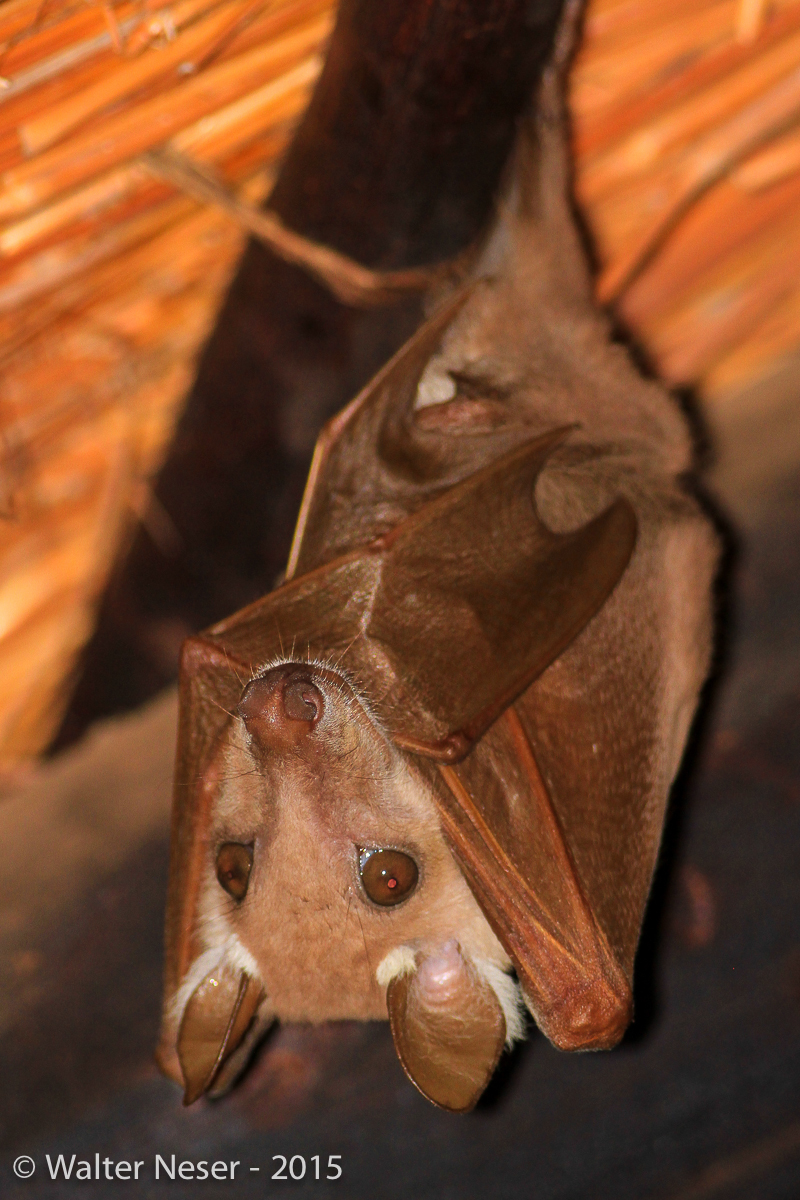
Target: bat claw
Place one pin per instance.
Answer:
(589, 1018)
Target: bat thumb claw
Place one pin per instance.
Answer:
(592, 1017)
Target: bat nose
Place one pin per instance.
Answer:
(302, 701)
(281, 708)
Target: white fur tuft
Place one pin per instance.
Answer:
(230, 954)
(509, 997)
(240, 958)
(400, 961)
(436, 385)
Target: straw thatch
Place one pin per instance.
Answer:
(688, 171)
(110, 281)
(687, 132)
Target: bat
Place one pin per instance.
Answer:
(425, 778)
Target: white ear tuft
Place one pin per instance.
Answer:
(509, 997)
(436, 385)
(400, 961)
(231, 953)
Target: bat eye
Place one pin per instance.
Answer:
(234, 862)
(388, 876)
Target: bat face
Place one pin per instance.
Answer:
(450, 803)
(325, 881)
(348, 858)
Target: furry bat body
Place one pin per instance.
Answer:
(441, 751)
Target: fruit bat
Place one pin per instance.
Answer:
(425, 777)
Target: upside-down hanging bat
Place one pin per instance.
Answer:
(426, 776)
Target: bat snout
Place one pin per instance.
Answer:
(281, 708)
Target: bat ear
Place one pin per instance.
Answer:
(448, 1028)
(215, 1020)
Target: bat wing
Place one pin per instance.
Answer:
(477, 597)
(372, 466)
(555, 816)
(442, 624)
(447, 619)
(499, 816)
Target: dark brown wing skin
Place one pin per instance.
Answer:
(499, 816)
(371, 466)
(556, 814)
(476, 570)
(477, 597)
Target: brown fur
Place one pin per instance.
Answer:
(315, 937)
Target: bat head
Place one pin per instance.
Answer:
(345, 849)
(324, 875)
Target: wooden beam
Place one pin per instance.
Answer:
(399, 155)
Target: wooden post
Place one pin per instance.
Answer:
(396, 164)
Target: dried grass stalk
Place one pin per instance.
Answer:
(143, 126)
(779, 161)
(686, 168)
(765, 346)
(348, 280)
(702, 165)
(177, 59)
